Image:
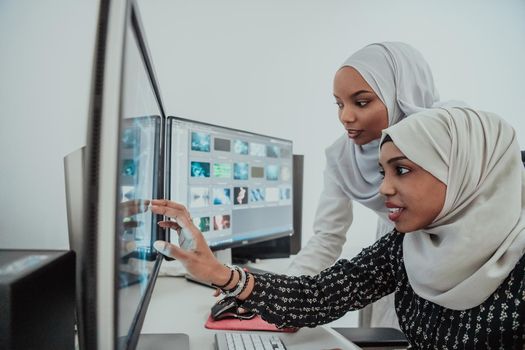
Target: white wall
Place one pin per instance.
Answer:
(46, 52)
(265, 66)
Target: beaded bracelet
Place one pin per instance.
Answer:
(248, 275)
(240, 284)
(229, 279)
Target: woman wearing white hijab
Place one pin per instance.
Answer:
(376, 87)
(455, 185)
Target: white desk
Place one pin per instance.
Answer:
(179, 306)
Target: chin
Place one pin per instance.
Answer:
(405, 227)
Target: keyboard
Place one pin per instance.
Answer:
(247, 341)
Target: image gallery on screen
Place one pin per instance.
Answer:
(232, 173)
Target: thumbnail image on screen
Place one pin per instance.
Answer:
(222, 170)
(256, 194)
(285, 193)
(200, 169)
(257, 149)
(272, 172)
(222, 196)
(273, 151)
(240, 147)
(130, 167)
(221, 145)
(200, 142)
(272, 194)
(199, 197)
(240, 195)
(203, 223)
(221, 222)
(286, 173)
(240, 171)
(257, 172)
(130, 137)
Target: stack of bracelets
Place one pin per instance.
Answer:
(241, 285)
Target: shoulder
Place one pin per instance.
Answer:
(390, 245)
(394, 242)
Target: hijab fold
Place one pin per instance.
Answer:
(479, 235)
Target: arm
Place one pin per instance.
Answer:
(289, 301)
(332, 220)
(313, 300)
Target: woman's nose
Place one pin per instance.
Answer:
(347, 116)
(386, 188)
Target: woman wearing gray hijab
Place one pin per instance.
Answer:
(376, 87)
(454, 188)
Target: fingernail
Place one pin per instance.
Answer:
(161, 246)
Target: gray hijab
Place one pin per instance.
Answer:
(402, 79)
(462, 257)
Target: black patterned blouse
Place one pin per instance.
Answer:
(497, 323)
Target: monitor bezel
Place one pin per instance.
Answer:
(100, 241)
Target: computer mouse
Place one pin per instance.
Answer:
(229, 308)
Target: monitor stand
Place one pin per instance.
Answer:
(179, 341)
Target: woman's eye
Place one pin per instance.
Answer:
(382, 173)
(361, 103)
(402, 171)
(339, 105)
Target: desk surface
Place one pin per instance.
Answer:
(179, 306)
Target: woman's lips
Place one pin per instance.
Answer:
(352, 133)
(394, 212)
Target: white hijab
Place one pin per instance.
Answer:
(402, 79)
(479, 236)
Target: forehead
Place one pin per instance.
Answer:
(388, 151)
(348, 80)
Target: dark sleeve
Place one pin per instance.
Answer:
(308, 301)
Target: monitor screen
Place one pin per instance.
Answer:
(236, 184)
(140, 178)
(139, 158)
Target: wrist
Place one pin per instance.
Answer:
(238, 284)
(234, 281)
(221, 275)
(249, 288)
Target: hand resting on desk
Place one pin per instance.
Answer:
(228, 308)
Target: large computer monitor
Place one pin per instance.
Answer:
(237, 185)
(124, 167)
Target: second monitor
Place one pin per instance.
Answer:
(236, 184)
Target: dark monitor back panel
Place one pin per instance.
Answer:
(37, 299)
